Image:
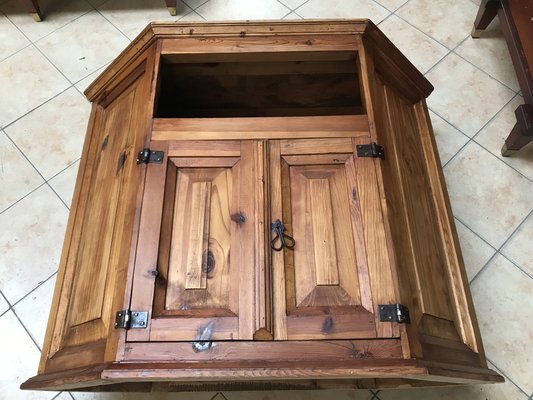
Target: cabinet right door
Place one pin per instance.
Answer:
(321, 287)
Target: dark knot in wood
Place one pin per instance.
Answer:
(239, 218)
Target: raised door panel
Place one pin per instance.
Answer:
(197, 260)
(316, 193)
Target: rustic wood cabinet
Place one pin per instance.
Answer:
(260, 205)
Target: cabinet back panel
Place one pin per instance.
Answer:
(259, 89)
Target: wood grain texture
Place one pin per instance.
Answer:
(325, 295)
(188, 240)
(259, 127)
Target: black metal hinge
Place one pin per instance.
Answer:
(127, 319)
(394, 313)
(370, 150)
(146, 156)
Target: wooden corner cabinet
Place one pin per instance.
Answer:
(260, 205)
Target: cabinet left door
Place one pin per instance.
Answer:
(91, 279)
(200, 252)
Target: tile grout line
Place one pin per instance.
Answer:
(113, 25)
(286, 6)
(502, 246)
(485, 72)
(34, 44)
(33, 109)
(478, 131)
(387, 8)
(505, 375)
(49, 33)
(34, 289)
(27, 331)
(301, 5)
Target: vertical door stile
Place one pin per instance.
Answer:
(277, 258)
(148, 242)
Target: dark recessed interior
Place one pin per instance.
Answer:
(263, 88)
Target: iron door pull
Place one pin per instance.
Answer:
(285, 241)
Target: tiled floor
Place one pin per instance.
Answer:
(44, 68)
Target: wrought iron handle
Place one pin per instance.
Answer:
(285, 241)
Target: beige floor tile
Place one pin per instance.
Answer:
(30, 76)
(476, 252)
(293, 4)
(344, 9)
(447, 22)
(63, 396)
(392, 4)
(11, 39)
(33, 310)
(503, 297)
(132, 16)
(17, 176)
(192, 16)
(78, 54)
(19, 361)
(493, 136)
(501, 391)
(31, 242)
(487, 195)
(519, 248)
(57, 13)
(491, 54)
(51, 136)
(464, 95)
(235, 9)
(420, 49)
(85, 82)
(63, 183)
(449, 140)
(303, 395)
(3, 305)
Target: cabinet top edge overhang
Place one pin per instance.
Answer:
(331, 35)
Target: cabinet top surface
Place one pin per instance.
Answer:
(349, 35)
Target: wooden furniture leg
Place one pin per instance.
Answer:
(487, 11)
(522, 132)
(171, 5)
(33, 7)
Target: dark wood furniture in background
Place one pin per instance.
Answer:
(516, 18)
(170, 278)
(33, 8)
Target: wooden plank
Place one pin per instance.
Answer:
(148, 243)
(326, 273)
(317, 159)
(196, 260)
(316, 146)
(196, 148)
(259, 127)
(217, 328)
(207, 162)
(373, 108)
(267, 351)
(381, 281)
(279, 306)
(465, 319)
(174, 50)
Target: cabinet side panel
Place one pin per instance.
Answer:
(96, 250)
(415, 218)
